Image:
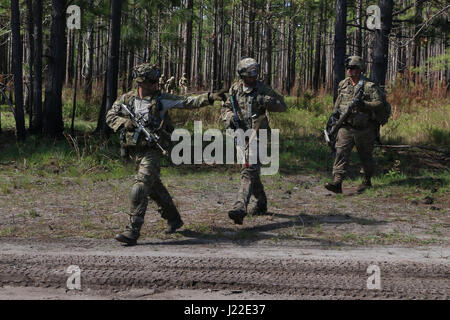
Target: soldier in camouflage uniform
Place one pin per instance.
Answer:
(150, 105)
(360, 127)
(253, 99)
(162, 83)
(183, 84)
(171, 85)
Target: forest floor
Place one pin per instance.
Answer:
(62, 202)
(311, 244)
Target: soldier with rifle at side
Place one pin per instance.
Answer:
(142, 116)
(246, 108)
(354, 122)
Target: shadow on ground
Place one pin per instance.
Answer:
(247, 236)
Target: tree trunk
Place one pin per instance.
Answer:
(89, 63)
(53, 122)
(214, 51)
(17, 69)
(318, 49)
(74, 106)
(268, 29)
(251, 29)
(113, 59)
(199, 48)
(380, 53)
(188, 41)
(231, 47)
(358, 50)
(242, 49)
(339, 44)
(30, 52)
(37, 59)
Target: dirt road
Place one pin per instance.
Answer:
(170, 269)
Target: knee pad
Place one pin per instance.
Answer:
(139, 192)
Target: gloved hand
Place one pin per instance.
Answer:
(217, 96)
(359, 105)
(129, 125)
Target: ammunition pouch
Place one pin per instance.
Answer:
(358, 120)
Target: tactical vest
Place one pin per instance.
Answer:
(357, 118)
(248, 108)
(148, 111)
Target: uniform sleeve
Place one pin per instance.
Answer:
(194, 102)
(115, 117)
(169, 101)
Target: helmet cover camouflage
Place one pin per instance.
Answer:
(146, 71)
(354, 61)
(248, 67)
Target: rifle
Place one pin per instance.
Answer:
(149, 136)
(236, 123)
(235, 119)
(330, 136)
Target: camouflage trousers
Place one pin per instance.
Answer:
(250, 185)
(183, 90)
(347, 138)
(148, 185)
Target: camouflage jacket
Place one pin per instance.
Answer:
(364, 114)
(153, 110)
(252, 103)
(183, 81)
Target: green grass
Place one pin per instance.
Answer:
(302, 148)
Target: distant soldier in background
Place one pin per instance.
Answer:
(360, 127)
(252, 100)
(171, 85)
(183, 83)
(151, 106)
(162, 83)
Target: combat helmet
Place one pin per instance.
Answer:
(248, 67)
(146, 71)
(355, 61)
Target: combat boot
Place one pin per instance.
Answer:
(366, 183)
(132, 232)
(260, 208)
(173, 226)
(335, 186)
(238, 213)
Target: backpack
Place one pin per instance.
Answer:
(382, 115)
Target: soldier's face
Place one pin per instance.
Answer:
(149, 86)
(353, 72)
(249, 81)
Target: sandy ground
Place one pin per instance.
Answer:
(36, 269)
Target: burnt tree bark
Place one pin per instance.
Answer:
(53, 122)
(36, 126)
(17, 69)
(113, 60)
(380, 52)
(339, 44)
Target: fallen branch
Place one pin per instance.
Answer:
(408, 146)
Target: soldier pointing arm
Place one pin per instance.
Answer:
(151, 107)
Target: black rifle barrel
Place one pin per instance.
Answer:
(149, 136)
